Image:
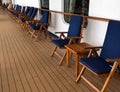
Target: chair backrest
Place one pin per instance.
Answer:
(44, 18)
(19, 8)
(75, 26)
(31, 11)
(16, 7)
(27, 10)
(111, 46)
(23, 10)
(34, 13)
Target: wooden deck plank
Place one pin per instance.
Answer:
(8, 62)
(1, 60)
(5, 83)
(43, 70)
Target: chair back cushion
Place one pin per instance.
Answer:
(75, 26)
(44, 18)
(34, 13)
(23, 10)
(111, 46)
(27, 10)
(31, 11)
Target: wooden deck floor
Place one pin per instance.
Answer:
(26, 66)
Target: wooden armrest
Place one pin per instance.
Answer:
(21, 15)
(112, 59)
(93, 47)
(31, 21)
(44, 24)
(60, 32)
(73, 37)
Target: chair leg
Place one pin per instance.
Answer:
(54, 51)
(109, 76)
(32, 34)
(80, 74)
(61, 61)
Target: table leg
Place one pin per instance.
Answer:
(67, 58)
(77, 65)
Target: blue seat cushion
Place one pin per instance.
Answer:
(22, 19)
(33, 26)
(53, 35)
(60, 42)
(98, 65)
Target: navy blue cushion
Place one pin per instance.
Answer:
(33, 26)
(30, 11)
(60, 42)
(53, 35)
(27, 10)
(23, 9)
(22, 19)
(111, 46)
(98, 65)
(44, 18)
(74, 30)
(34, 13)
(75, 26)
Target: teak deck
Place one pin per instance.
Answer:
(26, 65)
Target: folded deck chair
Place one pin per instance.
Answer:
(107, 62)
(73, 35)
(39, 26)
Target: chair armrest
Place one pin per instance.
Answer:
(43, 24)
(112, 59)
(22, 15)
(73, 37)
(31, 21)
(60, 32)
(93, 47)
(93, 50)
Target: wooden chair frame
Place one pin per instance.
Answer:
(72, 41)
(36, 33)
(109, 75)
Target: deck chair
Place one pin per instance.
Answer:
(37, 27)
(17, 11)
(25, 12)
(108, 61)
(30, 16)
(73, 35)
(24, 17)
(14, 11)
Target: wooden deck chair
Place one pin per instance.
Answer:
(17, 11)
(4, 6)
(73, 34)
(14, 11)
(20, 12)
(39, 26)
(17, 15)
(25, 12)
(108, 61)
(30, 16)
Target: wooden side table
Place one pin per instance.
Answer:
(79, 51)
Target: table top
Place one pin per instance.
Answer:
(78, 48)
